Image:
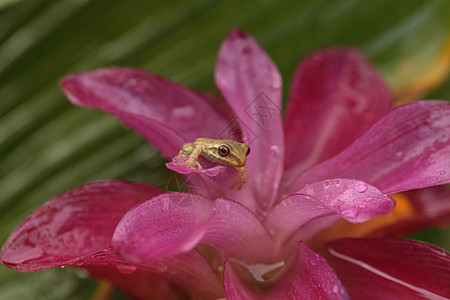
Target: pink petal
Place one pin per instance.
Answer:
(336, 96)
(318, 205)
(189, 270)
(76, 229)
(404, 269)
(209, 169)
(431, 209)
(238, 232)
(407, 149)
(309, 277)
(174, 223)
(165, 113)
(75, 224)
(163, 226)
(251, 84)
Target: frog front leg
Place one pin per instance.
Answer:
(186, 150)
(192, 160)
(193, 151)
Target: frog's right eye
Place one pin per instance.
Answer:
(248, 151)
(224, 151)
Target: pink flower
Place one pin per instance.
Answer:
(339, 153)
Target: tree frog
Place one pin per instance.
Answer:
(225, 152)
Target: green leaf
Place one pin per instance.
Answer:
(54, 284)
(48, 146)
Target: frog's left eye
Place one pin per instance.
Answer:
(224, 150)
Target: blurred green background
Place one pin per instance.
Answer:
(48, 146)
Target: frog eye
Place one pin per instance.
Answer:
(248, 151)
(224, 150)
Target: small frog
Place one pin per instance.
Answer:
(224, 152)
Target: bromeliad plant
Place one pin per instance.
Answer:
(339, 154)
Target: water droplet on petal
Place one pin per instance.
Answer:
(335, 289)
(337, 182)
(326, 183)
(126, 269)
(275, 150)
(350, 213)
(276, 84)
(368, 199)
(138, 84)
(361, 187)
(442, 172)
(183, 112)
(62, 266)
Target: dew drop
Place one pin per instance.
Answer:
(126, 269)
(62, 267)
(368, 199)
(361, 187)
(442, 172)
(276, 84)
(335, 289)
(326, 183)
(275, 150)
(337, 182)
(138, 84)
(183, 112)
(350, 213)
